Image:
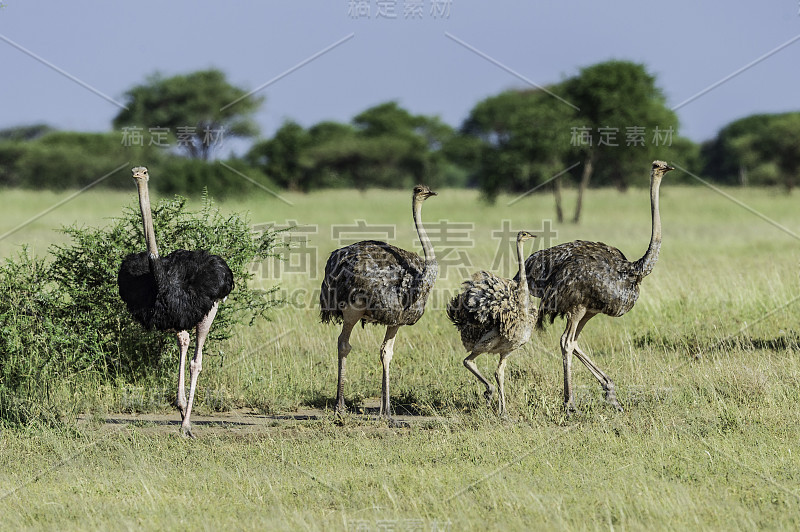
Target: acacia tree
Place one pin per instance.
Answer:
(619, 98)
(195, 111)
(384, 145)
(758, 149)
(280, 156)
(524, 141)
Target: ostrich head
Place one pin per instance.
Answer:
(659, 169)
(522, 236)
(422, 192)
(139, 173)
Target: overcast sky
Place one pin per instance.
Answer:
(66, 63)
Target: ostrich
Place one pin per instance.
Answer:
(375, 282)
(493, 316)
(578, 280)
(174, 293)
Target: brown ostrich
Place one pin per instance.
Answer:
(374, 282)
(578, 280)
(493, 315)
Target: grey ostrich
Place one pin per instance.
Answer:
(578, 280)
(374, 282)
(493, 315)
(174, 293)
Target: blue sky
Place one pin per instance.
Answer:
(431, 63)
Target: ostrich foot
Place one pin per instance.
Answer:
(396, 423)
(339, 415)
(181, 406)
(488, 394)
(611, 398)
(186, 432)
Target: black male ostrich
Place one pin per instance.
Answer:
(578, 280)
(374, 282)
(174, 293)
(493, 316)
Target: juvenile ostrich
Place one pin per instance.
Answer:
(579, 279)
(375, 282)
(493, 316)
(174, 293)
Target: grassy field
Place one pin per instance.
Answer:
(707, 366)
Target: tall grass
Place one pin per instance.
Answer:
(707, 366)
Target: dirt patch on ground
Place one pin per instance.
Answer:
(246, 421)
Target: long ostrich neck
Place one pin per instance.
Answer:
(522, 284)
(427, 248)
(646, 264)
(147, 217)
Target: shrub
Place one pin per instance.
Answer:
(63, 320)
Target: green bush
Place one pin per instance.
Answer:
(63, 322)
(37, 347)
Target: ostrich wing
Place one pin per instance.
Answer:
(193, 282)
(174, 292)
(494, 302)
(137, 287)
(390, 283)
(590, 274)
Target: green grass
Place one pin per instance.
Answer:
(707, 366)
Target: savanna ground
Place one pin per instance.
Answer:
(707, 366)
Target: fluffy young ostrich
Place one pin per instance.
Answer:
(174, 293)
(493, 315)
(578, 280)
(374, 282)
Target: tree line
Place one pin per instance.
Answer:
(600, 127)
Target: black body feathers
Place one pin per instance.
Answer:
(175, 292)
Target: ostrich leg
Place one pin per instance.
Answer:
(196, 366)
(499, 376)
(387, 350)
(469, 363)
(183, 346)
(568, 345)
(602, 378)
(350, 317)
(485, 345)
